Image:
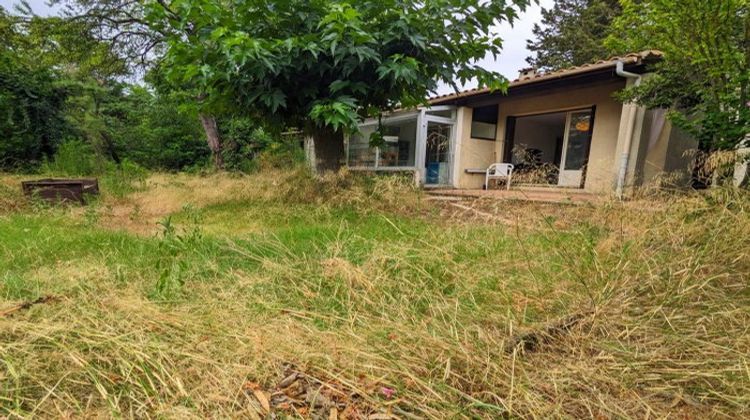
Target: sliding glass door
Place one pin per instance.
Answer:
(438, 153)
(576, 146)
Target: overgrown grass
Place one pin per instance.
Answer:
(174, 298)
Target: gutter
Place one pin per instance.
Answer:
(625, 156)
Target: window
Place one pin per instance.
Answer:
(484, 122)
(400, 142)
(360, 152)
(579, 139)
(398, 149)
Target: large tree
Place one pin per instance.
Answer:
(705, 75)
(572, 33)
(323, 65)
(85, 67)
(123, 26)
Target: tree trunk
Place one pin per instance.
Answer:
(329, 150)
(214, 139)
(109, 144)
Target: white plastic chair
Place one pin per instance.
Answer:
(499, 171)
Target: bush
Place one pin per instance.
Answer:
(244, 140)
(283, 154)
(32, 121)
(160, 132)
(248, 147)
(74, 158)
(124, 178)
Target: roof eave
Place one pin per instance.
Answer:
(638, 59)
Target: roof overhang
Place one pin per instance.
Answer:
(601, 71)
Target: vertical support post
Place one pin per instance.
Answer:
(456, 140)
(421, 147)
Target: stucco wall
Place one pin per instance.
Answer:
(662, 156)
(474, 153)
(681, 149)
(655, 146)
(471, 153)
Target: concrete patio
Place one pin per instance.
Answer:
(545, 195)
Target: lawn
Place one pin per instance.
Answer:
(186, 296)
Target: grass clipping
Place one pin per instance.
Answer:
(623, 313)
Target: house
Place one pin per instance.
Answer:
(562, 129)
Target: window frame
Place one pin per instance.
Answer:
(377, 166)
(495, 123)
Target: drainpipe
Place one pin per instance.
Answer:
(625, 157)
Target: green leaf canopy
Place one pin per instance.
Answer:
(329, 63)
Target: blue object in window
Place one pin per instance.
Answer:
(433, 172)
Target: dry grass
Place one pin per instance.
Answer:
(11, 197)
(362, 287)
(167, 194)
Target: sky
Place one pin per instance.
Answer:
(512, 58)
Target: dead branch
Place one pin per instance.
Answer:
(27, 305)
(531, 341)
(482, 213)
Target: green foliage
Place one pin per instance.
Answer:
(123, 178)
(328, 63)
(31, 101)
(157, 131)
(74, 158)
(176, 247)
(59, 81)
(244, 139)
(283, 153)
(705, 75)
(31, 118)
(572, 33)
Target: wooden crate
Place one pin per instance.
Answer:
(61, 190)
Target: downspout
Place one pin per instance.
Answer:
(625, 157)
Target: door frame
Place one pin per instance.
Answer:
(425, 119)
(510, 134)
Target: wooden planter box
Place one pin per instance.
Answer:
(61, 190)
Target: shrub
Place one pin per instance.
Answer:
(74, 158)
(124, 178)
(248, 146)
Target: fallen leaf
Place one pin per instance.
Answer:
(334, 414)
(284, 406)
(262, 399)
